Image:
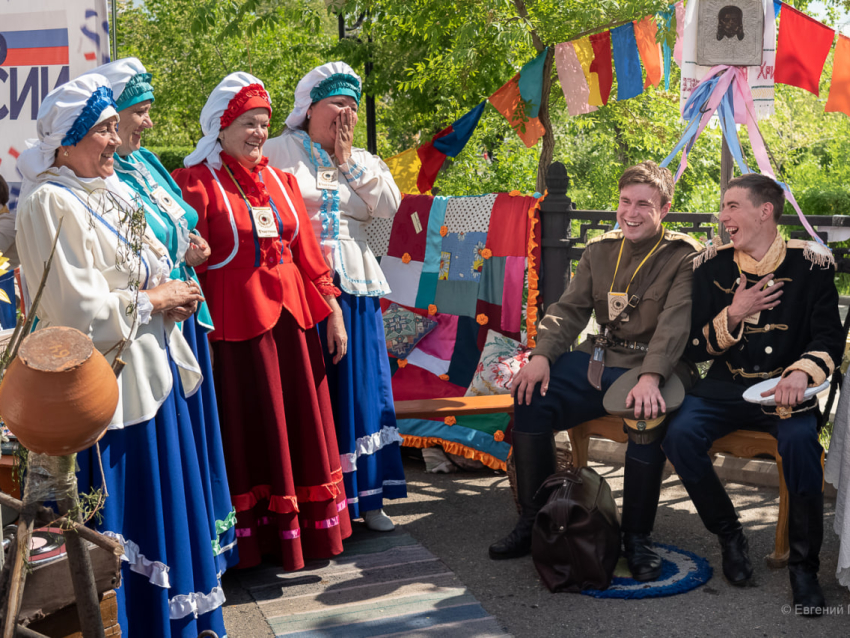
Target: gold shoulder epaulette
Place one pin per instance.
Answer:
(710, 252)
(672, 235)
(614, 234)
(819, 254)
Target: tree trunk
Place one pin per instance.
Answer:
(548, 149)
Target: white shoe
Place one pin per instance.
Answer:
(378, 521)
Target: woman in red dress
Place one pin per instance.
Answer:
(267, 286)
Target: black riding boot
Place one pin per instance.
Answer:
(641, 491)
(805, 532)
(718, 514)
(534, 455)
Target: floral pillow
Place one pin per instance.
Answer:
(500, 361)
(403, 329)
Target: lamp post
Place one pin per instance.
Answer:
(371, 130)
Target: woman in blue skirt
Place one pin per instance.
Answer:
(146, 181)
(111, 279)
(343, 189)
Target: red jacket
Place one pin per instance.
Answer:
(248, 280)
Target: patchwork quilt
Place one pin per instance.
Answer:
(469, 264)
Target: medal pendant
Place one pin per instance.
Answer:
(327, 178)
(617, 302)
(166, 203)
(264, 222)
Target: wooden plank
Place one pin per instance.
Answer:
(49, 586)
(455, 406)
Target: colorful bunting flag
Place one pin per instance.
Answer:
(584, 52)
(627, 62)
(432, 161)
(601, 65)
(839, 90)
(519, 100)
(573, 83)
(777, 7)
(458, 134)
(680, 32)
(405, 170)
(804, 44)
(666, 51)
(650, 50)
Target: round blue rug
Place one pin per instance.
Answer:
(681, 571)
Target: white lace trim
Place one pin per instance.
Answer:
(195, 603)
(156, 572)
(369, 444)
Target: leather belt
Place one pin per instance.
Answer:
(631, 345)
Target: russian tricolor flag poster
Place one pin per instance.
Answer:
(43, 43)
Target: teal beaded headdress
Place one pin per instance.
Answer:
(337, 84)
(138, 89)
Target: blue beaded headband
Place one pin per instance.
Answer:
(336, 84)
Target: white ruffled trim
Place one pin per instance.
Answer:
(156, 572)
(144, 308)
(195, 603)
(369, 444)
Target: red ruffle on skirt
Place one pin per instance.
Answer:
(280, 446)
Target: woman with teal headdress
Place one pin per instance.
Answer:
(145, 181)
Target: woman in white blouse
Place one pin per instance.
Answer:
(343, 189)
(110, 279)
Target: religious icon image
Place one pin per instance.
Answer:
(730, 23)
(730, 32)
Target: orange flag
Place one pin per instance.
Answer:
(508, 102)
(839, 90)
(649, 49)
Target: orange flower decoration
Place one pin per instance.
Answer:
(444, 230)
(405, 258)
(499, 435)
(450, 420)
(514, 193)
(485, 253)
(444, 377)
(432, 309)
(482, 319)
(402, 363)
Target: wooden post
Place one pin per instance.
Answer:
(555, 232)
(82, 576)
(727, 164)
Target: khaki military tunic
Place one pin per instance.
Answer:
(657, 328)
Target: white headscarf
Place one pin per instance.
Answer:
(119, 73)
(209, 148)
(308, 83)
(79, 105)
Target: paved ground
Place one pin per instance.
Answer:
(457, 516)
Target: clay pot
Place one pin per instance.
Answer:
(59, 394)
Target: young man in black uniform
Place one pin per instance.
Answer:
(763, 308)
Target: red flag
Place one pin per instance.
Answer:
(432, 161)
(601, 64)
(839, 91)
(801, 51)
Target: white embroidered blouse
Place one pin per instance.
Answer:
(366, 189)
(91, 286)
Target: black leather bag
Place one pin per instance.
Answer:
(575, 543)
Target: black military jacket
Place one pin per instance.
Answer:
(803, 332)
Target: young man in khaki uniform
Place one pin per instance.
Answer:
(556, 390)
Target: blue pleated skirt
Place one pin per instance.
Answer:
(362, 397)
(203, 412)
(157, 507)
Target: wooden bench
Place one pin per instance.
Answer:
(742, 444)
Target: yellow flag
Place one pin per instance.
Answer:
(405, 169)
(584, 51)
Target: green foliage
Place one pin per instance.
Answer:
(171, 157)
